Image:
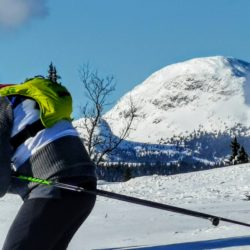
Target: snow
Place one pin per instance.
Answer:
(187, 108)
(211, 92)
(119, 225)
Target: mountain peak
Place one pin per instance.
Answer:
(210, 92)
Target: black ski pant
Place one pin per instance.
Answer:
(49, 224)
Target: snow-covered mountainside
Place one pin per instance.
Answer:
(210, 94)
(187, 115)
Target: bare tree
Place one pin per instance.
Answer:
(98, 90)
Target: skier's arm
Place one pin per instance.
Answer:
(6, 121)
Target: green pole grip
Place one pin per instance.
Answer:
(36, 180)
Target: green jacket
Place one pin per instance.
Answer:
(54, 100)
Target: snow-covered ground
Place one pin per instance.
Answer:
(119, 225)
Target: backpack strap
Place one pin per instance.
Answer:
(29, 131)
(15, 100)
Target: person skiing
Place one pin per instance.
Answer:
(38, 139)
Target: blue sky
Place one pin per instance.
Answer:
(129, 39)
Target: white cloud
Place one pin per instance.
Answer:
(14, 13)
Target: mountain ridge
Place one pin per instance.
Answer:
(187, 115)
(182, 97)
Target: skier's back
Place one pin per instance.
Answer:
(37, 139)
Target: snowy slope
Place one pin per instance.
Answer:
(187, 114)
(118, 225)
(210, 93)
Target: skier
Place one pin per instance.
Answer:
(37, 139)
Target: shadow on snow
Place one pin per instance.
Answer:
(198, 245)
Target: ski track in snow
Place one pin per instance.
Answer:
(120, 225)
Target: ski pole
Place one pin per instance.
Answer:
(214, 219)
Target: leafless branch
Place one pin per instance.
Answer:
(98, 90)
